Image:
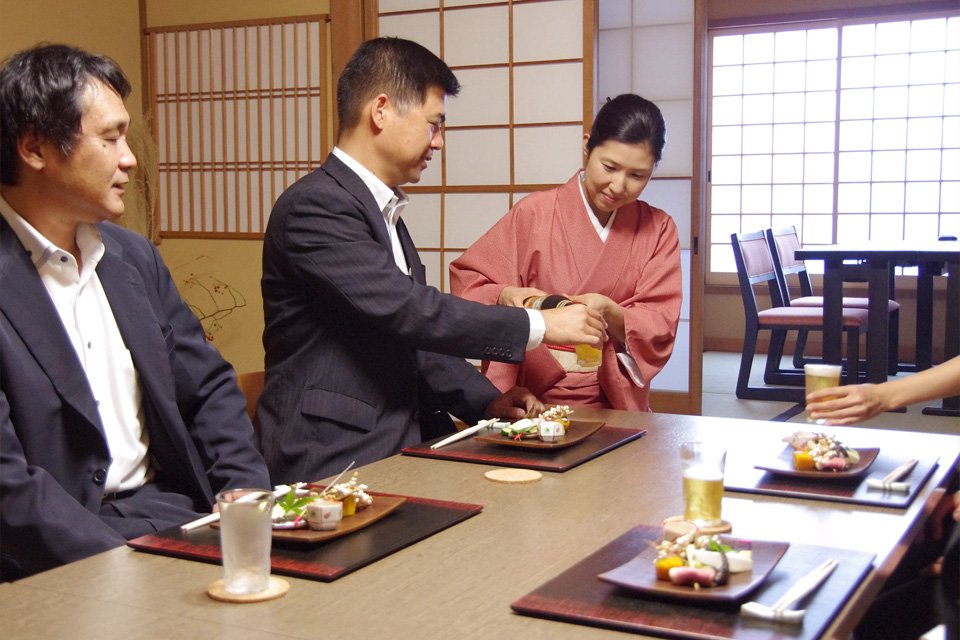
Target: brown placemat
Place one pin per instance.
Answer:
(416, 519)
(473, 450)
(578, 596)
(740, 475)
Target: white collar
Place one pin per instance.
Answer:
(41, 249)
(380, 191)
(602, 231)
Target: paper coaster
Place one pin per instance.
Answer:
(723, 527)
(513, 476)
(277, 589)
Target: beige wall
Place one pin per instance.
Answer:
(234, 316)
(114, 32)
(110, 27)
(173, 12)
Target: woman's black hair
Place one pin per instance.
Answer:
(629, 119)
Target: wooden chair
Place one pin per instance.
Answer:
(755, 266)
(251, 384)
(783, 242)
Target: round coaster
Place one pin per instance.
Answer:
(277, 589)
(513, 476)
(722, 527)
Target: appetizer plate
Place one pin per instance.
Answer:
(640, 574)
(382, 506)
(783, 466)
(577, 431)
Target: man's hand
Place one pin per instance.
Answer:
(514, 296)
(611, 311)
(574, 324)
(516, 403)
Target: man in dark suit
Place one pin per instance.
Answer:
(117, 418)
(362, 357)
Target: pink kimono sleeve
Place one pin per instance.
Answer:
(653, 311)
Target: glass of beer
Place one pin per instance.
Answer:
(246, 530)
(702, 466)
(588, 355)
(820, 376)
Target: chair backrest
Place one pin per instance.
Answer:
(755, 266)
(783, 243)
(251, 384)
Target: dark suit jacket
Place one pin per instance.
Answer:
(358, 353)
(53, 451)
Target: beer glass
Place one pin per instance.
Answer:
(246, 530)
(588, 355)
(820, 376)
(702, 466)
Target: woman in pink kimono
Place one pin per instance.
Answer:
(594, 242)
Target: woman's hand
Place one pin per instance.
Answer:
(611, 311)
(514, 296)
(847, 404)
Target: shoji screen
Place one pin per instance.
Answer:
(518, 122)
(242, 112)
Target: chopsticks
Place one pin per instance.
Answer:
(900, 471)
(280, 491)
(890, 482)
(804, 586)
(464, 433)
(779, 611)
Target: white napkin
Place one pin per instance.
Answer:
(880, 485)
(762, 611)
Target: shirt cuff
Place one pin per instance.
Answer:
(538, 328)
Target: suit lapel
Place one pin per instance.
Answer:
(351, 182)
(417, 270)
(140, 330)
(27, 305)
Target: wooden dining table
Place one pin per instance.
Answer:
(461, 581)
(874, 263)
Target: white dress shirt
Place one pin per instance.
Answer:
(88, 321)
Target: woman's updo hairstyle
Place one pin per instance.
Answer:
(629, 119)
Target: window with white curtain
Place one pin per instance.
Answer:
(844, 129)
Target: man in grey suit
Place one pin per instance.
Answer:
(117, 418)
(362, 357)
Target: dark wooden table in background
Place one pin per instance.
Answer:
(875, 263)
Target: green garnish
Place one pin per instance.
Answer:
(291, 503)
(713, 545)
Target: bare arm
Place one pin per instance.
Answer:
(854, 403)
